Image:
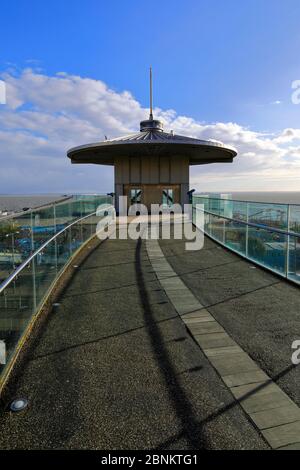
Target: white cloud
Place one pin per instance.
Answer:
(287, 135)
(46, 115)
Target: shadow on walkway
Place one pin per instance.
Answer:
(191, 429)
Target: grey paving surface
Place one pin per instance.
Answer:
(115, 368)
(260, 311)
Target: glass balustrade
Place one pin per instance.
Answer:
(22, 234)
(47, 239)
(266, 233)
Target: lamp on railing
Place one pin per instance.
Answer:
(190, 195)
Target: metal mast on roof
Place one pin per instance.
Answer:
(151, 125)
(151, 97)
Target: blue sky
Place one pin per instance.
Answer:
(214, 61)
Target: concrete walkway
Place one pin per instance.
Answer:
(117, 368)
(272, 411)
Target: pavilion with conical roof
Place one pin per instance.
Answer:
(152, 166)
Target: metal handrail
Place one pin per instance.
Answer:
(12, 276)
(33, 209)
(282, 269)
(253, 224)
(55, 203)
(246, 202)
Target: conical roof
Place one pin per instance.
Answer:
(152, 140)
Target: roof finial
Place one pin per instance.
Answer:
(151, 110)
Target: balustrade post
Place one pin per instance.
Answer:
(287, 252)
(247, 228)
(34, 297)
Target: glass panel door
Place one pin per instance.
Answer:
(135, 196)
(168, 197)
